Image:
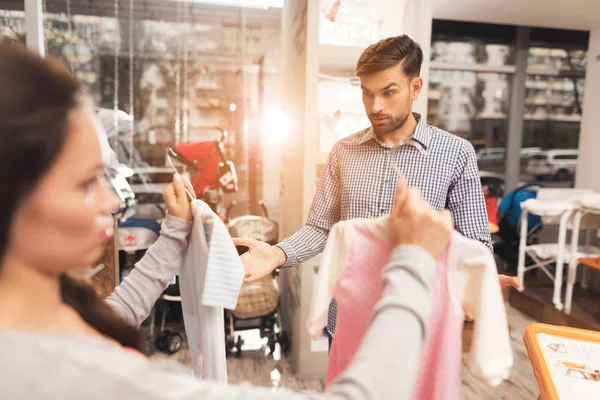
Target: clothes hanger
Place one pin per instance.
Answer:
(169, 153)
(95, 271)
(415, 143)
(418, 146)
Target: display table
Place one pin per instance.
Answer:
(566, 361)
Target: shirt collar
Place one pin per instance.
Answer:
(421, 134)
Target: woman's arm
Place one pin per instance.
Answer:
(384, 367)
(133, 299)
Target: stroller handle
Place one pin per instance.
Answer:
(260, 203)
(264, 208)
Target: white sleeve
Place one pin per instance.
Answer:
(491, 357)
(329, 269)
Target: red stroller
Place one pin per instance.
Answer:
(212, 174)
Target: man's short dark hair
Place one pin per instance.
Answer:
(388, 53)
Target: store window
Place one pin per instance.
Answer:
(552, 115)
(12, 26)
(474, 108)
(471, 52)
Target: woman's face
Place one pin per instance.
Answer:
(65, 222)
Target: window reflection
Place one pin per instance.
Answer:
(473, 106)
(552, 115)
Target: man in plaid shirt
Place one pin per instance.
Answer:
(362, 170)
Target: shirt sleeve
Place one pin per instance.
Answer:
(329, 271)
(133, 299)
(466, 201)
(491, 357)
(324, 213)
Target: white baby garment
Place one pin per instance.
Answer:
(210, 280)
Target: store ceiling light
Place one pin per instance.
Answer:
(240, 3)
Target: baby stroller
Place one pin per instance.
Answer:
(140, 231)
(258, 305)
(212, 174)
(506, 241)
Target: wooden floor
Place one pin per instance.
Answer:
(521, 385)
(536, 301)
(261, 370)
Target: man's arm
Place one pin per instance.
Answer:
(324, 213)
(466, 201)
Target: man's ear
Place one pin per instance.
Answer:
(416, 85)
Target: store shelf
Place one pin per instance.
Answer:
(339, 57)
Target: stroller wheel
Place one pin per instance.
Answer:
(169, 342)
(174, 342)
(284, 342)
(271, 341)
(238, 346)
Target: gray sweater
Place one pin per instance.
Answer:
(44, 366)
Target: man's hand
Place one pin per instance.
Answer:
(261, 258)
(506, 281)
(176, 199)
(414, 222)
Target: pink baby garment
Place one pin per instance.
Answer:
(355, 255)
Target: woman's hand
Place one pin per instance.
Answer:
(414, 222)
(176, 198)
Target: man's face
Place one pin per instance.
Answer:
(388, 96)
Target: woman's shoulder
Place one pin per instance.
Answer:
(69, 366)
(38, 366)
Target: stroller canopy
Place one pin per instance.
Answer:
(204, 159)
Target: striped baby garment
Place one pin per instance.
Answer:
(210, 280)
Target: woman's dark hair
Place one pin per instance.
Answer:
(36, 96)
(390, 52)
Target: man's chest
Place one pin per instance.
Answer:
(368, 179)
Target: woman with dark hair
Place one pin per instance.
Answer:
(54, 219)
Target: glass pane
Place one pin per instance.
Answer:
(12, 27)
(472, 52)
(473, 106)
(179, 75)
(553, 107)
(566, 59)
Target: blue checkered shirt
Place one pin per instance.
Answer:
(359, 181)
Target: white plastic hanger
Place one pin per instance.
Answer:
(169, 153)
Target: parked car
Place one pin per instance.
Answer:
(491, 155)
(528, 152)
(560, 165)
(492, 179)
(499, 153)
